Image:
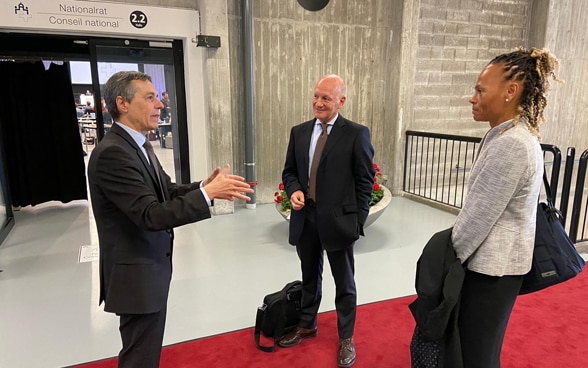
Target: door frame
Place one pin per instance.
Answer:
(8, 223)
(181, 160)
(77, 47)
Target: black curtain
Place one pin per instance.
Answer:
(42, 144)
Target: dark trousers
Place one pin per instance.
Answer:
(342, 264)
(142, 338)
(485, 308)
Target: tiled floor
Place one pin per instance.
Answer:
(49, 313)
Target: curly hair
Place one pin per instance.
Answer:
(533, 68)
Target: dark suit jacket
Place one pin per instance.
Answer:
(345, 180)
(135, 224)
(439, 279)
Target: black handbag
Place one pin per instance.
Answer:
(279, 314)
(555, 258)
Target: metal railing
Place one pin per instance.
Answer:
(579, 218)
(436, 167)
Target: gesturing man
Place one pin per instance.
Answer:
(136, 207)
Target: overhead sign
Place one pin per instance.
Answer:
(93, 17)
(135, 21)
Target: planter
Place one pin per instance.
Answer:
(375, 210)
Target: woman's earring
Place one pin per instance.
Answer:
(506, 100)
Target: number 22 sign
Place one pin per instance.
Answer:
(138, 19)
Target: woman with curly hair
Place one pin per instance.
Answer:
(494, 233)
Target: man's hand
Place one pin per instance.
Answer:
(212, 176)
(221, 184)
(297, 200)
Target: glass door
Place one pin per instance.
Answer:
(6, 216)
(163, 61)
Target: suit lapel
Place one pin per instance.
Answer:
(306, 137)
(123, 134)
(157, 180)
(336, 133)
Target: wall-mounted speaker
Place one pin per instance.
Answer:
(313, 5)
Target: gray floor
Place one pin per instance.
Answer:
(49, 313)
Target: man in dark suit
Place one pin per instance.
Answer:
(136, 207)
(330, 193)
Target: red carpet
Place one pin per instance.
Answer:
(547, 329)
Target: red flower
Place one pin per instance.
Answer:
(376, 187)
(281, 186)
(276, 194)
(279, 199)
(376, 167)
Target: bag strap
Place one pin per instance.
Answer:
(547, 188)
(281, 321)
(553, 212)
(257, 332)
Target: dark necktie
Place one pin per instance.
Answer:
(318, 151)
(153, 161)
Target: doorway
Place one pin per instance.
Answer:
(162, 60)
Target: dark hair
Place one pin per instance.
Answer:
(119, 84)
(533, 68)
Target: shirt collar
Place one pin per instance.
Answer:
(138, 137)
(318, 122)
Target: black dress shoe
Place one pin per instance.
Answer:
(346, 357)
(296, 336)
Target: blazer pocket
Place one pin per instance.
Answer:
(346, 209)
(344, 225)
(136, 261)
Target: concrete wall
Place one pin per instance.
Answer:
(409, 64)
(218, 70)
(456, 40)
(293, 48)
(566, 36)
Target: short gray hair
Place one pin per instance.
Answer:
(119, 84)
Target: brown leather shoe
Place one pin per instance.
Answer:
(346, 356)
(296, 336)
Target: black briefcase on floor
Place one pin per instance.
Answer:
(279, 314)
